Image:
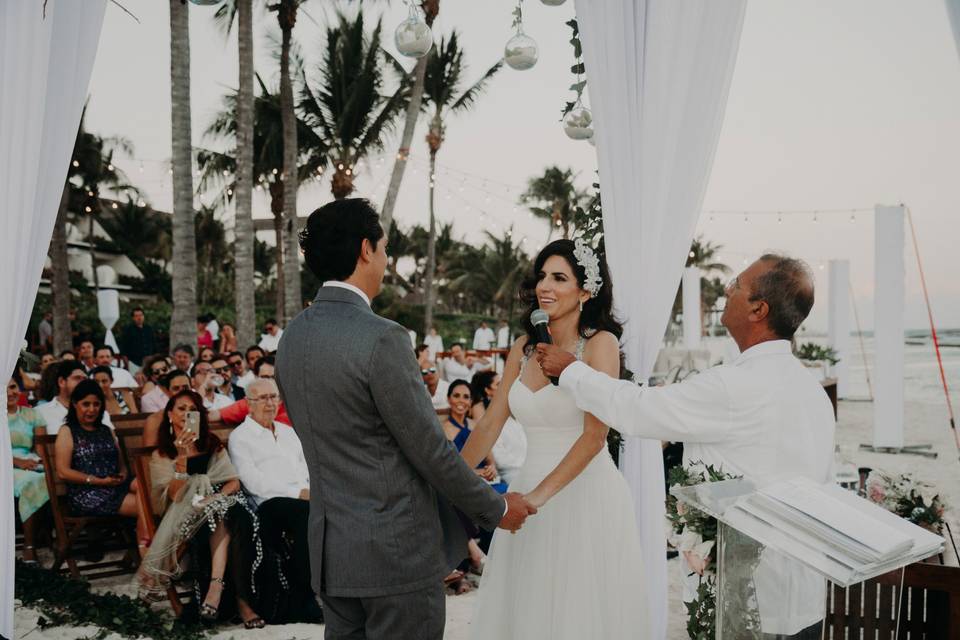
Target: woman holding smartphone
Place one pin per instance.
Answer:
(196, 487)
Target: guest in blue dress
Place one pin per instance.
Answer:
(29, 483)
(88, 458)
(457, 429)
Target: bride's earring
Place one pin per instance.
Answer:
(581, 306)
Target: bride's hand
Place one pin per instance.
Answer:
(488, 472)
(535, 499)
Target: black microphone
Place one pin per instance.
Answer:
(539, 319)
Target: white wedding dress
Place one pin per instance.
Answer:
(574, 570)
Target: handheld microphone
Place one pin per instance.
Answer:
(539, 319)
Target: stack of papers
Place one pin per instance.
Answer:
(831, 529)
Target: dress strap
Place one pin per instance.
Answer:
(581, 345)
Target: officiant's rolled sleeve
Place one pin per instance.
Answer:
(696, 410)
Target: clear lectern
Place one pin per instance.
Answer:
(779, 544)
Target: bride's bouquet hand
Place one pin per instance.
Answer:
(487, 472)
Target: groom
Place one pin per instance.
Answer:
(375, 449)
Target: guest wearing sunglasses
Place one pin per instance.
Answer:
(436, 387)
(223, 372)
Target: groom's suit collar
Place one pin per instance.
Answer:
(342, 293)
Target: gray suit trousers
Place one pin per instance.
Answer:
(418, 615)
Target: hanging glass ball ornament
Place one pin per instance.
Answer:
(553, 3)
(205, 3)
(413, 36)
(521, 52)
(578, 124)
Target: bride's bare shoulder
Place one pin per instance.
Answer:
(602, 344)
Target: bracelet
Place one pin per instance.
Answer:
(177, 475)
(88, 480)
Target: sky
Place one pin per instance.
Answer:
(835, 106)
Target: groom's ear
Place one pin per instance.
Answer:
(366, 250)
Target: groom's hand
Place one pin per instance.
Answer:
(518, 508)
(553, 360)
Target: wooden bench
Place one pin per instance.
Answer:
(929, 608)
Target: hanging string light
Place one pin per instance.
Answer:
(521, 51)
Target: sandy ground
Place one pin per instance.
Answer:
(925, 423)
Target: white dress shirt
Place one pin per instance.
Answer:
(439, 398)
(434, 346)
(55, 415)
(764, 416)
(156, 400)
(122, 379)
(270, 465)
(214, 328)
(483, 338)
(503, 338)
(269, 343)
(453, 370)
(246, 379)
(219, 402)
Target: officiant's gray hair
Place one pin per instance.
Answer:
(787, 288)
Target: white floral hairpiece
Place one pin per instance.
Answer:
(587, 259)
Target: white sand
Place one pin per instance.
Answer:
(925, 423)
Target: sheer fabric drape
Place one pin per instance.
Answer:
(46, 56)
(658, 74)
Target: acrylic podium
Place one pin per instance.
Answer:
(779, 544)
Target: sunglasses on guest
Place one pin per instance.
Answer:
(425, 372)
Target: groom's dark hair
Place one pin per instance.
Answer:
(333, 236)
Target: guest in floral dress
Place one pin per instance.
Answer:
(29, 484)
(88, 458)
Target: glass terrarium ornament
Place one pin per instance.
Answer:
(553, 3)
(578, 124)
(521, 51)
(413, 36)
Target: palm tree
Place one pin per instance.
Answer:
(243, 243)
(554, 197)
(430, 9)
(491, 274)
(91, 168)
(445, 71)
(703, 255)
(218, 169)
(345, 107)
(183, 321)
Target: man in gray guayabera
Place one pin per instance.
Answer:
(381, 538)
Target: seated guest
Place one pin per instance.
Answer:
(206, 354)
(46, 360)
(423, 356)
(183, 357)
(153, 397)
(270, 338)
(103, 357)
(436, 387)
(510, 450)
(457, 429)
(223, 374)
(204, 383)
(455, 367)
(253, 354)
(54, 413)
(67, 354)
(85, 354)
(238, 368)
(204, 337)
(171, 384)
(228, 338)
(29, 484)
(238, 411)
(47, 387)
(89, 460)
(196, 488)
(273, 472)
(119, 401)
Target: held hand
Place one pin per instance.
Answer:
(518, 508)
(27, 464)
(304, 494)
(553, 360)
(183, 442)
(488, 472)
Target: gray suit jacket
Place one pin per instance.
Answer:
(376, 452)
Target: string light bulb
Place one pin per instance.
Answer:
(110, 167)
(76, 163)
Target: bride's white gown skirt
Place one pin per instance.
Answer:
(574, 571)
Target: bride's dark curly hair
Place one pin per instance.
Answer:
(597, 314)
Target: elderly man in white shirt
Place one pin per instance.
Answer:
(272, 469)
(764, 416)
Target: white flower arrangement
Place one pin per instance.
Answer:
(587, 258)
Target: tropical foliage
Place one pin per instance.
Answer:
(553, 197)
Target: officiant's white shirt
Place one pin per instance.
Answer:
(763, 416)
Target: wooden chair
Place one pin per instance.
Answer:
(74, 533)
(929, 608)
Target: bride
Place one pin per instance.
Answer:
(574, 570)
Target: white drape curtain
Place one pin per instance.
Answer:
(953, 11)
(46, 57)
(658, 74)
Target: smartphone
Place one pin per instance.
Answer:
(193, 421)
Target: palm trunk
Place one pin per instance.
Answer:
(287, 17)
(183, 328)
(93, 255)
(60, 278)
(428, 288)
(431, 8)
(276, 206)
(243, 227)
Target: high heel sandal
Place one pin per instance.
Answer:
(255, 623)
(208, 612)
(33, 561)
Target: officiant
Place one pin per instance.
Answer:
(763, 416)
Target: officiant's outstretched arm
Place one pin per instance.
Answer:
(766, 304)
